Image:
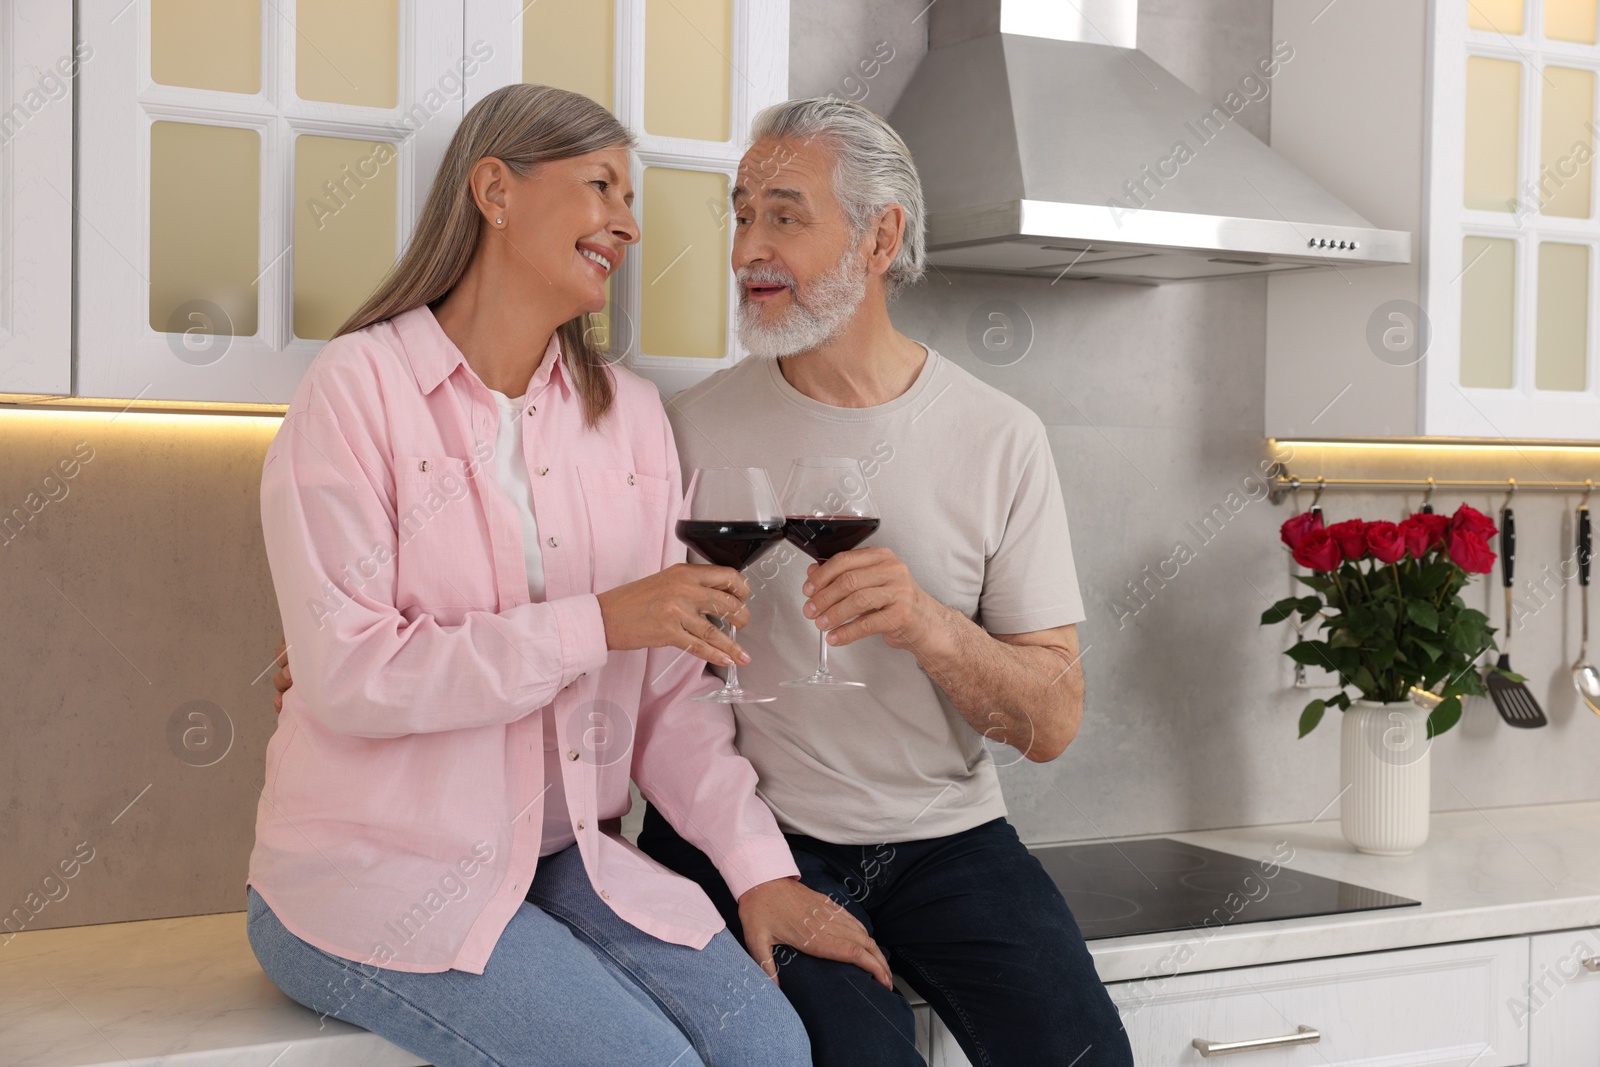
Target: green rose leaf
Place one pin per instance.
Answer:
(1446, 715)
(1423, 614)
(1311, 716)
(1433, 650)
(1280, 611)
(1310, 653)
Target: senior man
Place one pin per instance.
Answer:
(958, 614)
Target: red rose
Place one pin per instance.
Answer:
(1385, 541)
(1319, 551)
(1424, 532)
(1470, 552)
(1294, 530)
(1351, 535)
(1474, 522)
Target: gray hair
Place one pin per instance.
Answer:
(872, 171)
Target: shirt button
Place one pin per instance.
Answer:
(572, 755)
(630, 479)
(423, 466)
(543, 471)
(580, 824)
(553, 543)
(531, 409)
(604, 895)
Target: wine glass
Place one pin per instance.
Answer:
(827, 510)
(730, 516)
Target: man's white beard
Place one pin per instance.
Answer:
(813, 320)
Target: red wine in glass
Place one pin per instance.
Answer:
(730, 516)
(729, 544)
(828, 510)
(823, 536)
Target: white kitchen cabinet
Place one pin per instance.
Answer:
(247, 171)
(37, 65)
(1560, 1005)
(1444, 1004)
(686, 76)
(1471, 124)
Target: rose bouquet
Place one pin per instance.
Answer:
(1392, 617)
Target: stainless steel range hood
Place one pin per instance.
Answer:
(1049, 145)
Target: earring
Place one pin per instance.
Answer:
(499, 222)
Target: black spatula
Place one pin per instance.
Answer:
(1515, 703)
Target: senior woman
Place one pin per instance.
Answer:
(468, 516)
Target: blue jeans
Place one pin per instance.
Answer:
(568, 983)
(970, 921)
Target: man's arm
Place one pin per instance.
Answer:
(1023, 690)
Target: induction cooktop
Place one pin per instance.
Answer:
(1157, 885)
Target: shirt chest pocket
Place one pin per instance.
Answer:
(628, 523)
(444, 556)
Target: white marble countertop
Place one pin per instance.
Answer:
(1484, 873)
(168, 992)
(188, 992)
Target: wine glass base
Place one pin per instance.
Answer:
(726, 695)
(822, 681)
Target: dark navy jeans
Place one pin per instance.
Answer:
(971, 921)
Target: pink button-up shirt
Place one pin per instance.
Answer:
(402, 813)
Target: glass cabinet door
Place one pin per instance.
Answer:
(1514, 233)
(686, 76)
(248, 171)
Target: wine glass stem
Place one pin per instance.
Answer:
(822, 653)
(733, 668)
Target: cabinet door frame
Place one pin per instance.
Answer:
(119, 354)
(1561, 1004)
(1448, 409)
(760, 60)
(36, 196)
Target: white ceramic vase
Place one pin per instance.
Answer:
(1383, 770)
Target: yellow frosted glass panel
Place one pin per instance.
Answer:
(344, 228)
(687, 70)
(1565, 141)
(684, 310)
(568, 44)
(1561, 354)
(206, 44)
(347, 52)
(1500, 16)
(1570, 20)
(1488, 303)
(1494, 94)
(205, 206)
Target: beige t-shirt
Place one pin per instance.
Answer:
(966, 486)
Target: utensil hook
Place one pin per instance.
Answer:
(1511, 491)
(1316, 498)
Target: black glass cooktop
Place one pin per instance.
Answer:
(1116, 889)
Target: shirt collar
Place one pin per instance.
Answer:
(434, 357)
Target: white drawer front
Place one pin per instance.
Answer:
(1445, 1004)
(1561, 1005)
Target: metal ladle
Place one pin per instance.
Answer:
(1585, 679)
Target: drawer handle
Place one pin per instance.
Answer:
(1304, 1035)
(1592, 963)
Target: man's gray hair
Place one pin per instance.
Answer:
(873, 169)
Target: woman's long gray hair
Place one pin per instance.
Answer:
(522, 126)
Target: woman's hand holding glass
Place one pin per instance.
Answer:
(669, 609)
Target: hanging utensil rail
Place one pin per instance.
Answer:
(1281, 484)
